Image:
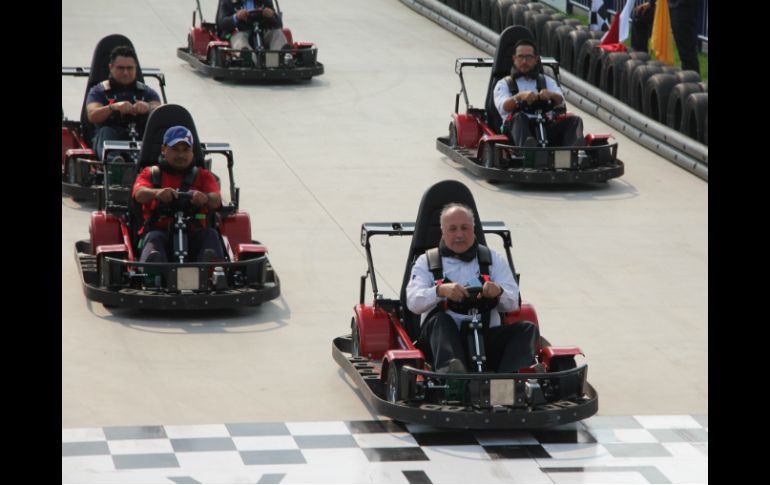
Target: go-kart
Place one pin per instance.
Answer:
(109, 261)
(475, 140)
(380, 355)
(82, 170)
(208, 50)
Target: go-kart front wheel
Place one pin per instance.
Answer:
(355, 338)
(393, 384)
(489, 156)
(452, 134)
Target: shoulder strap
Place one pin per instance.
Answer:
(434, 263)
(188, 179)
(140, 86)
(106, 85)
(485, 259)
(155, 176)
(540, 82)
(512, 85)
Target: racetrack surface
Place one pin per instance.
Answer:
(619, 269)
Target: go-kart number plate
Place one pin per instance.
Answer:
(187, 279)
(562, 159)
(501, 392)
(271, 59)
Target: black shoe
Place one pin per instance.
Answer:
(455, 366)
(209, 256)
(530, 142)
(154, 257)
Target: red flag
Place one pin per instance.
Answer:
(610, 41)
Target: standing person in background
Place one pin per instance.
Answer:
(684, 26)
(641, 24)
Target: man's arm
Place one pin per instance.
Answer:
(226, 20)
(421, 293)
(501, 274)
(552, 91)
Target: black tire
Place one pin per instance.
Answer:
(611, 67)
(655, 98)
(639, 56)
(486, 12)
(687, 76)
(556, 39)
(515, 15)
(625, 77)
(499, 11)
(676, 98)
(558, 16)
(583, 59)
(455, 4)
(452, 134)
(475, 9)
(189, 44)
(596, 34)
(536, 6)
(548, 30)
(595, 58)
(571, 47)
(638, 80)
(213, 58)
(355, 338)
(696, 106)
(535, 25)
(573, 22)
(109, 276)
(562, 363)
(393, 390)
(489, 156)
(706, 129)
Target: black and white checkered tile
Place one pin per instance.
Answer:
(602, 449)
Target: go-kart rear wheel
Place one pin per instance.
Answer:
(355, 337)
(393, 385)
(189, 43)
(452, 134)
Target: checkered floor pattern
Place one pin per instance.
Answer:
(602, 449)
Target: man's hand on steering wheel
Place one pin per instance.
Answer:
(199, 199)
(166, 195)
(491, 290)
(452, 291)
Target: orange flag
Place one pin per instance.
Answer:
(662, 40)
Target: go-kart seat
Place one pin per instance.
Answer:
(427, 234)
(501, 67)
(100, 71)
(161, 118)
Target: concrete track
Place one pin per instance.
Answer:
(619, 269)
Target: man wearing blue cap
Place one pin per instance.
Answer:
(159, 183)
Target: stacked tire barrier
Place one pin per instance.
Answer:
(661, 107)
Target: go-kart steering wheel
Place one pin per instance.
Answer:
(182, 203)
(482, 304)
(537, 105)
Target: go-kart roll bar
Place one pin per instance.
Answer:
(459, 64)
(149, 72)
(200, 12)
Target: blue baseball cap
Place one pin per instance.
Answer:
(175, 134)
